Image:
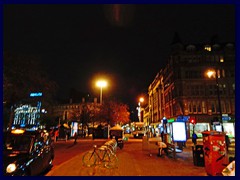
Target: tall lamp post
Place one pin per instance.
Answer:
(141, 99)
(101, 84)
(214, 73)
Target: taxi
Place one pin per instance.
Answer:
(27, 152)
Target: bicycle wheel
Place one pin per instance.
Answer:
(111, 161)
(89, 159)
(109, 149)
(109, 146)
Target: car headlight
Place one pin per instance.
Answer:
(11, 168)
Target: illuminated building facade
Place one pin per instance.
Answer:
(27, 115)
(72, 111)
(182, 89)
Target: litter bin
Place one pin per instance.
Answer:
(198, 155)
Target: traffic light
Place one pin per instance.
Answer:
(192, 120)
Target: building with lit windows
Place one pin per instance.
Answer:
(183, 89)
(72, 111)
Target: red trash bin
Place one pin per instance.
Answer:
(215, 154)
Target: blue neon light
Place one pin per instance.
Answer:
(35, 94)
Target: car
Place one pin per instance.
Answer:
(27, 152)
(139, 130)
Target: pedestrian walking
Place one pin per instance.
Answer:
(56, 134)
(194, 138)
(75, 137)
(227, 140)
(162, 136)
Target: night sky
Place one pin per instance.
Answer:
(127, 44)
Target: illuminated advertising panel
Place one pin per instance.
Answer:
(218, 128)
(199, 128)
(179, 131)
(229, 129)
(74, 129)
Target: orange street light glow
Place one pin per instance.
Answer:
(210, 73)
(101, 83)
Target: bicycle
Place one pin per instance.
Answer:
(111, 145)
(102, 155)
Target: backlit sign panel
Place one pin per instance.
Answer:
(179, 131)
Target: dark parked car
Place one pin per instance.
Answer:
(27, 153)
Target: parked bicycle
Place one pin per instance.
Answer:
(111, 145)
(100, 156)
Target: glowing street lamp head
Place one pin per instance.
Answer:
(210, 73)
(101, 83)
(141, 99)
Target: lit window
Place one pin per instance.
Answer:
(221, 59)
(204, 108)
(223, 73)
(208, 48)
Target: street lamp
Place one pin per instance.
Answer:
(101, 84)
(214, 73)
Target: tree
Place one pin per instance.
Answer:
(25, 74)
(86, 114)
(48, 121)
(22, 75)
(74, 115)
(114, 112)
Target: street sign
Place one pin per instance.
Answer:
(182, 118)
(170, 120)
(226, 118)
(36, 94)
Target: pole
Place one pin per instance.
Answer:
(101, 95)
(59, 121)
(11, 119)
(140, 118)
(219, 100)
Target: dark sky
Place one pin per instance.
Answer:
(128, 44)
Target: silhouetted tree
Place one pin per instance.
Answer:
(21, 76)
